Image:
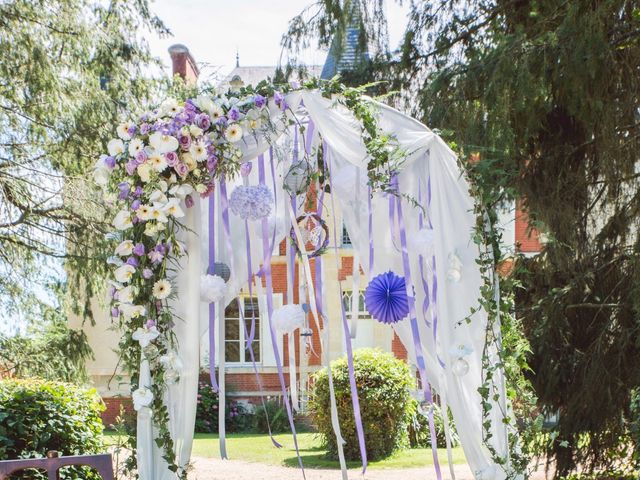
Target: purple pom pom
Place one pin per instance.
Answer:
(386, 298)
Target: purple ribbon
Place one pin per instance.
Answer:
(370, 232)
(355, 401)
(415, 328)
(266, 271)
(212, 306)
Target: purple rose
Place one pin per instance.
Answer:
(115, 313)
(133, 261)
(172, 158)
(189, 105)
(145, 128)
(141, 157)
(189, 116)
(222, 120)
(234, 114)
(188, 201)
(110, 162)
(260, 101)
(185, 141)
(147, 273)
(203, 121)
(135, 205)
(131, 130)
(138, 249)
(181, 169)
(124, 188)
(131, 166)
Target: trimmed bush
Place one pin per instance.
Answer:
(384, 384)
(38, 415)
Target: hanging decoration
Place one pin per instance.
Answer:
(386, 298)
(220, 269)
(454, 269)
(288, 318)
(298, 178)
(422, 241)
(315, 235)
(213, 288)
(251, 202)
(460, 366)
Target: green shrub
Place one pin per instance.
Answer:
(238, 419)
(419, 434)
(278, 419)
(384, 385)
(38, 415)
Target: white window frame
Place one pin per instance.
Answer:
(245, 358)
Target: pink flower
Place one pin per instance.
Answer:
(181, 169)
(172, 158)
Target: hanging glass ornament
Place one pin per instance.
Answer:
(460, 367)
(386, 298)
(454, 270)
(298, 178)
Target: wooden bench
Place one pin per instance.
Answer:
(53, 463)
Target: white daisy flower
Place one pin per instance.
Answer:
(216, 112)
(122, 221)
(142, 398)
(123, 130)
(158, 162)
(170, 107)
(198, 151)
(233, 133)
(162, 143)
(144, 212)
(136, 145)
(125, 248)
(115, 147)
(124, 273)
(162, 289)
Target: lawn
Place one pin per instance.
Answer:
(254, 447)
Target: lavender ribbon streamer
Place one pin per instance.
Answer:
(371, 257)
(266, 270)
(415, 329)
(212, 306)
(355, 400)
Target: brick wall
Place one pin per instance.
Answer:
(527, 239)
(113, 410)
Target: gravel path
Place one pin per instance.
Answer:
(215, 469)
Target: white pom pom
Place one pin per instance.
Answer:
(288, 317)
(422, 240)
(212, 288)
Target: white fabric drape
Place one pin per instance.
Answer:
(451, 213)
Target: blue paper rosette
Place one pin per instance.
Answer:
(386, 298)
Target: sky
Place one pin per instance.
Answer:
(214, 30)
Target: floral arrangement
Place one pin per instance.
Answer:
(151, 174)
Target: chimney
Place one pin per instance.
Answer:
(183, 64)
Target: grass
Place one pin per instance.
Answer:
(255, 447)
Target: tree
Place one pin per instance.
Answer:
(545, 93)
(69, 68)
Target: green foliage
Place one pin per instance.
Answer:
(273, 415)
(238, 419)
(419, 434)
(52, 351)
(74, 66)
(37, 416)
(384, 385)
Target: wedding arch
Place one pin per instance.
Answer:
(252, 156)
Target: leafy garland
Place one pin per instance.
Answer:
(151, 174)
(505, 348)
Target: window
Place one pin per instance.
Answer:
(234, 343)
(346, 241)
(362, 310)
